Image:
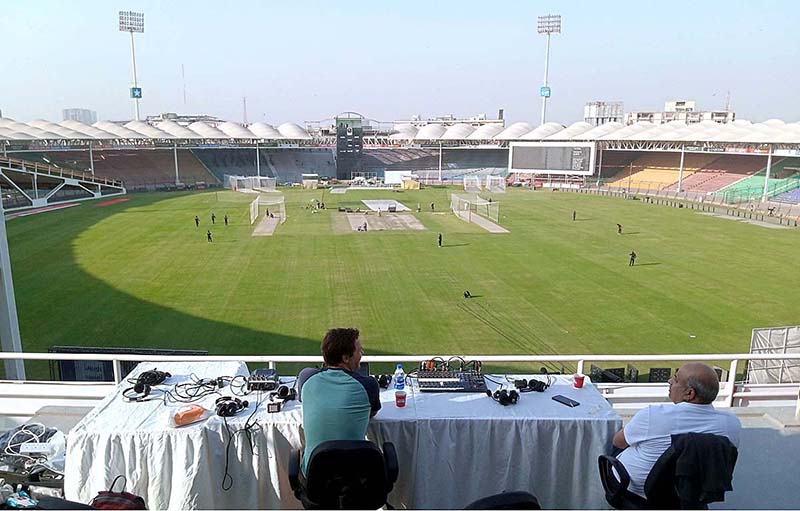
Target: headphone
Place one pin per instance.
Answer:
(143, 384)
(285, 393)
(139, 392)
(504, 397)
(384, 380)
(532, 385)
(228, 406)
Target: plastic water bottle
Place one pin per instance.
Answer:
(399, 378)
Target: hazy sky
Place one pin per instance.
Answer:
(304, 60)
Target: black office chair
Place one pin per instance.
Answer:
(507, 500)
(669, 485)
(345, 474)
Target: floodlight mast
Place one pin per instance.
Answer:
(549, 24)
(131, 22)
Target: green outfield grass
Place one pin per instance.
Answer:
(140, 274)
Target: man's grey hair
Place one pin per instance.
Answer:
(706, 393)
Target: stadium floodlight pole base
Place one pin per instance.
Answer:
(9, 322)
(766, 178)
(258, 162)
(175, 153)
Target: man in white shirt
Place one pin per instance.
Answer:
(645, 438)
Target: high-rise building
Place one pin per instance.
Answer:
(83, 115)
(682, 111)
(601, 112)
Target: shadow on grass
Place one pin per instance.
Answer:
(82, 310)
(648, 264)
(630, 233)
(446, 245)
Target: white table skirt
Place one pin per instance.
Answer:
(452, 449)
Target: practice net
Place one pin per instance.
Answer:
(496, 184)
(253, 211)
(472, 184)
(251, 183)
(464, 206)
(273, 205)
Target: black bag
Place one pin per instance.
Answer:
(117, 500)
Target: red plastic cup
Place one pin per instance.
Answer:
(400, 398)
(579, 380)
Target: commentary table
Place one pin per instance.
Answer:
(452, 448)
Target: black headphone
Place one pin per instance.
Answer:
(285, 393)
(384, 380)
(139, 392)
(152, 377)
(504, 397)
(142, 385)
(532, 385)
(228, 406)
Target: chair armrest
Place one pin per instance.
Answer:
(390, 459)
(294, 470)
(613, 487)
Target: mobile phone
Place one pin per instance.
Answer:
(564, 400)
(363, 369)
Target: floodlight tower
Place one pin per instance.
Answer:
(549, 24)
(131, 22)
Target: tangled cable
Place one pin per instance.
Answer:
(200, 388)
(250, 425)
(32, 432)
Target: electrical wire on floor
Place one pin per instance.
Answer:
(250, 425)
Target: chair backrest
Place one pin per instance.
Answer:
(682, 476)
(616, 490)
(347, 474)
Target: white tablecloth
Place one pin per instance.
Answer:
(456, 448)
(452, 449)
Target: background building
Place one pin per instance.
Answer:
(685, 111)
(83, 115)
(601, 112)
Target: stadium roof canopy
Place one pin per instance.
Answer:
(773, 131)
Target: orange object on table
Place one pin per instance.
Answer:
(189, 414)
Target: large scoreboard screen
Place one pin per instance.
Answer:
(552, 158)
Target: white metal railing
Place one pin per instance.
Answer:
(40, 168)
(627, 392)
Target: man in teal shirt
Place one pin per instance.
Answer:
(337, 401)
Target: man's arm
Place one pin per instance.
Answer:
(373, 393)
(637, 430)
(619, 440)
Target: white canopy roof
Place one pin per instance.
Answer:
(262, 130)
(514, 132)
(485, 132)
(292, 131)
(458, 132)
(772, 131)
(176, 130)
(430, 132)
